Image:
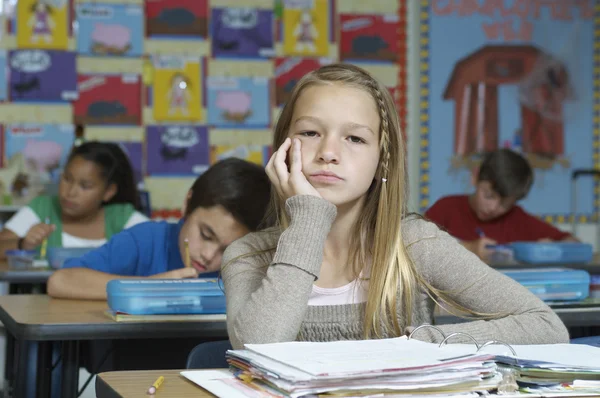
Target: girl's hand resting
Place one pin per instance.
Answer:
(293, 182)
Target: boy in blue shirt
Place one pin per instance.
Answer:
(225, 203)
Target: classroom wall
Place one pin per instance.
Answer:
(186, 98)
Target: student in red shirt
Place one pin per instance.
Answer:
(490, 215)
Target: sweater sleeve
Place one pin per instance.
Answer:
(519, 317)
(266, 302)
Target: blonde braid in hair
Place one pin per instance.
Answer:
(385, 138)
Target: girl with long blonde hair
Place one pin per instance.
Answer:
(345, 260)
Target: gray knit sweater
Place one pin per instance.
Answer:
(267, 293)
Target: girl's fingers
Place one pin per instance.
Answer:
(280, 167)
(296, 157)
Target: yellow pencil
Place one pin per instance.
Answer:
(44, 244)
(187, 254)
(156, 385)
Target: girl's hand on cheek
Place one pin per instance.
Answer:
(293, 182)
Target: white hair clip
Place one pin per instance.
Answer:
(384, 179)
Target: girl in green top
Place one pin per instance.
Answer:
(97, 198)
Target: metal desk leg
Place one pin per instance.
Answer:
(22, 365)
(70, 371)
(44, 369)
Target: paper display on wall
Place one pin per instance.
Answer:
(177, 150)
(108, 100)
(43, 24)
(238, 101)
(242, 32)
(177, 88)
(177, 18)
(306, 27)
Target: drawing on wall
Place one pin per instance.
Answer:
(43, 24)
(177, 18)
(289, 70)
(242, 32)
(509, 79)
(306, 27)
(42, 75)
(177, 88)
(177, 150)
(258, 154)
(543, 88)
(35, 153)
(110, 29)
(108, 100)
(369, 37)
(238, 101)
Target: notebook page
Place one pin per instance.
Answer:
(347, 357)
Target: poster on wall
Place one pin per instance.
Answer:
(177, 150)
(177, 19)
(258, 154)
(238, 101)
(110, 29)
(372, 38)
(306, 27)
(289, 70)
(177, 88)
(3, 76)
(35, 155)
(503, 76)
(42, 75)
(108, 100)
(242, 32)
(43, 24)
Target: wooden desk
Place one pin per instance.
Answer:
(40, 318)
(136, 383)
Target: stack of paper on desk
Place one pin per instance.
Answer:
(370, 367)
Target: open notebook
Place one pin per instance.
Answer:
(402, 366)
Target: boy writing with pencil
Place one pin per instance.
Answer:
(490, 215)
(225, 203)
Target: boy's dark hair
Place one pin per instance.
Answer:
(508, 172)
(114, 167)
(241, 187)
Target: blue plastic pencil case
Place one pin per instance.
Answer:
(553, 284)
(552, 253)
(166, 296)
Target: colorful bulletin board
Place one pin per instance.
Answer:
(520, 75)
(182, 84)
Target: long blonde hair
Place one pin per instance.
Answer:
(377, 233)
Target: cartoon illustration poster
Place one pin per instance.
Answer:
(238, 101)
(177, 18)
(289, 70)
(135, 154)
(43, 24)
(42, 75)
(177, 88)
(108, 99)
(3, 76)
(110, 29)
(500, 76)
(35, 154)
(369, 37)
(177, 150)
(258, 154)
(306, 27)
(242, 32)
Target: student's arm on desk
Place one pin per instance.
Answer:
(516, 315)
(267, 298)
(86, 277)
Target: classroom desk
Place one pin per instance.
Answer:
(573, 314)
(135, 384)
(40, 318)
(130, 384)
